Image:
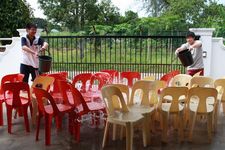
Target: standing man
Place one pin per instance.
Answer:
(195, 46)
(31, 45)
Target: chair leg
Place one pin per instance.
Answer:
(192, 124)
(1, 114)
(121, 133)
(145, 131)
(38, 126)
(58, 120)
(223, 105)
(105, 134)
(26, 121)
(78, 131)
(181, 127)
(31, 109)
(34, 111)
(128, 136)
(114, 132)
(165, 126)
(48, 123)
(216, 111)
(9, 119)
(71, 122)
(209, 126)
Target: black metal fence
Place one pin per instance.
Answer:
(150, 55)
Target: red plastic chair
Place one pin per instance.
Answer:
(83, 78)
(50, 111)
(8, 79)
(169, 76)
(130, 76)
(12, 78)
(113, 73)
(17, 102)
(94, 94)
(102, 77)
(55, 92)
(75, 98)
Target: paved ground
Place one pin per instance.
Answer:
(91, 139)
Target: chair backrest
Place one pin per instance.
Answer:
(77, 100)
(146, 87)
(202, 93)
(159, 85)
(42, 96)
(110, 91)
(220, 86)
(181, 80)
(113, 73)
(103, 78)
(175, 93)
(201, 81)
(149, 78)
(167, 77)
(130, 76)
(42, 82)
(15, 88)
(125, 91)
(83, 78)
(12, 78)
(58, 76)
(197, 74)
(175, 72)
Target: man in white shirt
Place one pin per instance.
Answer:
(195, 46)
(31, 45)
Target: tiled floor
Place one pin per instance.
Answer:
(91, 139)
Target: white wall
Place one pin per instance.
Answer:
(10, 59)
(218, 58)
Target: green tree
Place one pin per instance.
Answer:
(14, 14)
(108, 14)
(40, 22)
(155, 7)
(214, 16)
(73, 14)
(78, 15)
(130, 17)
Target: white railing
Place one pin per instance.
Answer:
(5, 39)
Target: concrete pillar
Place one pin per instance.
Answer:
(206, 38)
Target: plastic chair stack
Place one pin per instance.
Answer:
(130, 77)
(122, 117)
(16, 101)
(49, 111)
(11, 78)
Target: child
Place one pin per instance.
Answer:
(31, 45)
(195, 46)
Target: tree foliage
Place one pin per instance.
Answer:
(76, 15)
(14, 14)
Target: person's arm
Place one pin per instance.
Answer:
(25, 47)
(197, 44)
(44, 45)
(183, 47)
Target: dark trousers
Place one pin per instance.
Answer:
(27, 70)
